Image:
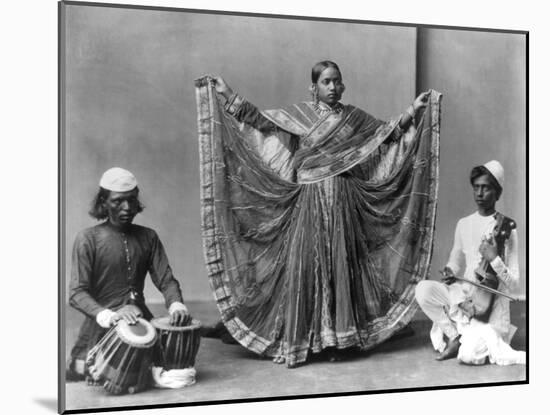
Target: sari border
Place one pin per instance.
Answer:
(381, 329)
(206, 119)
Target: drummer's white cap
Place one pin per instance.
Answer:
(496, 169)
(117, 179)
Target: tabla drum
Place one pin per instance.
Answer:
(177, 346)
(122, 359)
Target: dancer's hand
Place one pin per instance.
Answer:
(421, 101)
(221, 87)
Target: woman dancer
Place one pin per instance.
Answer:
(317, 219)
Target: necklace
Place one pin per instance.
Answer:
(322, 108)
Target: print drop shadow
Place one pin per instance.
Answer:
(48, 403)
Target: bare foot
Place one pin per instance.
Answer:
(279, 360)
(451, 350)
(292, 365)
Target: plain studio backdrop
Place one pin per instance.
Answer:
(129, 101)
(29, 167)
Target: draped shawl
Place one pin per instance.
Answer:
(316, 230)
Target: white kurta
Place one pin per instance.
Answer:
(480, 340)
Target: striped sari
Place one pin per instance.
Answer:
(316, 224)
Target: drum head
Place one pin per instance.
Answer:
(141, 334)
(163, 323)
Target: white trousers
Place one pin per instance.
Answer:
(479, 341)
(434, 298)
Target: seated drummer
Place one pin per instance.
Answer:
(473, 337)
(109, 265)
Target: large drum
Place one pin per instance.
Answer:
(122, 359)
(177, 346)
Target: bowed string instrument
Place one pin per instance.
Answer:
(487, 281)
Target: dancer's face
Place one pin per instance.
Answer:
(329, 86)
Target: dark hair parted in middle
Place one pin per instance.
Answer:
(482, 170)
(319, 67)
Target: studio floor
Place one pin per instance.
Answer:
(226, 372)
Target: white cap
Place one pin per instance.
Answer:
(118, 180)
(496, 169)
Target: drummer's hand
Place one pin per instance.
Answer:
(488, 249)
(421, 101)
(221, 87)
(180, 318)
(129, 313)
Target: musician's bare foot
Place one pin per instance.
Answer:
(451, 350)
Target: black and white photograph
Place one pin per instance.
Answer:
(257, 207)
(286, 201)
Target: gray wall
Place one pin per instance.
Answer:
(130, 101)
(482, 78)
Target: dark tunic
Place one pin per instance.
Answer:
(108, 265)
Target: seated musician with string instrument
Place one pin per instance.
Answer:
(109, 264)
(471, 314)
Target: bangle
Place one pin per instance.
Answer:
(229, 103)
(230, 100)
